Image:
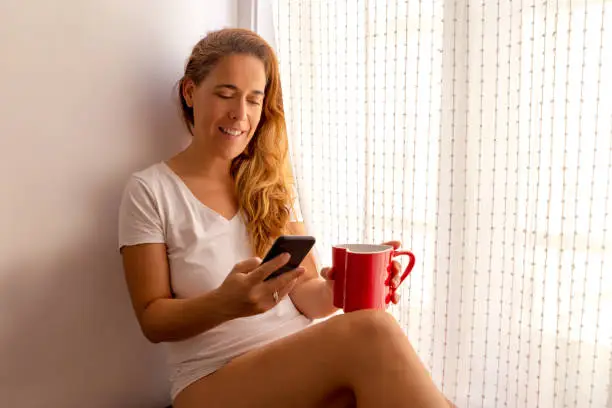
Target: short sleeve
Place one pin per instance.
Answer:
(295, 211)
(139, 217)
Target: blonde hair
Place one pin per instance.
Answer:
(261, 172)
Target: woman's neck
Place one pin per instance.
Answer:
(196, 161)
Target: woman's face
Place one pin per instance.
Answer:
(227, 105)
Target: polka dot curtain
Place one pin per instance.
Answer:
(479, 133)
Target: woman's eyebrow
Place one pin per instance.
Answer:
(235, 88)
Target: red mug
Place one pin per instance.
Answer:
(362, 275)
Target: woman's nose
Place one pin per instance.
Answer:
(238, 111)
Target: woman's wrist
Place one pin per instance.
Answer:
(324, 290)
(224, 307)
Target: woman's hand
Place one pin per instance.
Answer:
(396, 273)
(247, 294)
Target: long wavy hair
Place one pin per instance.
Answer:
(261, 172)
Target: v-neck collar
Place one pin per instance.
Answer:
(184, 186)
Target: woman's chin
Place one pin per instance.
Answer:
(230, 154)
(231, 150)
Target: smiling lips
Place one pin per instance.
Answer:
(231, 131)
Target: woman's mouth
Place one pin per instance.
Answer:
(231, 131)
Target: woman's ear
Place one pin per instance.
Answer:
(188, 88)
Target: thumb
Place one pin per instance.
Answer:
(328, 273)
(395, 244)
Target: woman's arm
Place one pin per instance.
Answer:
(244, 292)
(312, 295)
(161, 317)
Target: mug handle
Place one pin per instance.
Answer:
(407, 271)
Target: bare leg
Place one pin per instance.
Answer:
(342, 398)
(362, 354)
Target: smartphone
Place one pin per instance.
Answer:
(297, 246)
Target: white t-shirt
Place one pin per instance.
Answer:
(202, 247)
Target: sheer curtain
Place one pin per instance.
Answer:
(479, 133)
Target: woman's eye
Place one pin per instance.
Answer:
(224, 96)
(255, 102)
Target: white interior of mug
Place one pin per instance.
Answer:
(365, 248)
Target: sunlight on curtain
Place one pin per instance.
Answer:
(480, 134)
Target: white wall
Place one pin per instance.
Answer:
(85, 99)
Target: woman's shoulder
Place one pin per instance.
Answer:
(152, 177)
(148, 174)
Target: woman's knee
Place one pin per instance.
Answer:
(374, 323)
(372, 328)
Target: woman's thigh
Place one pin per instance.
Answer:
(304, 370)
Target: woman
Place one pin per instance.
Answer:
(192, 234)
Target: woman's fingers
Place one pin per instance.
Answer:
(285, 290)
(396, 269)
(286, 279)
(266, 269)
(285, 283)
(396, 273)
